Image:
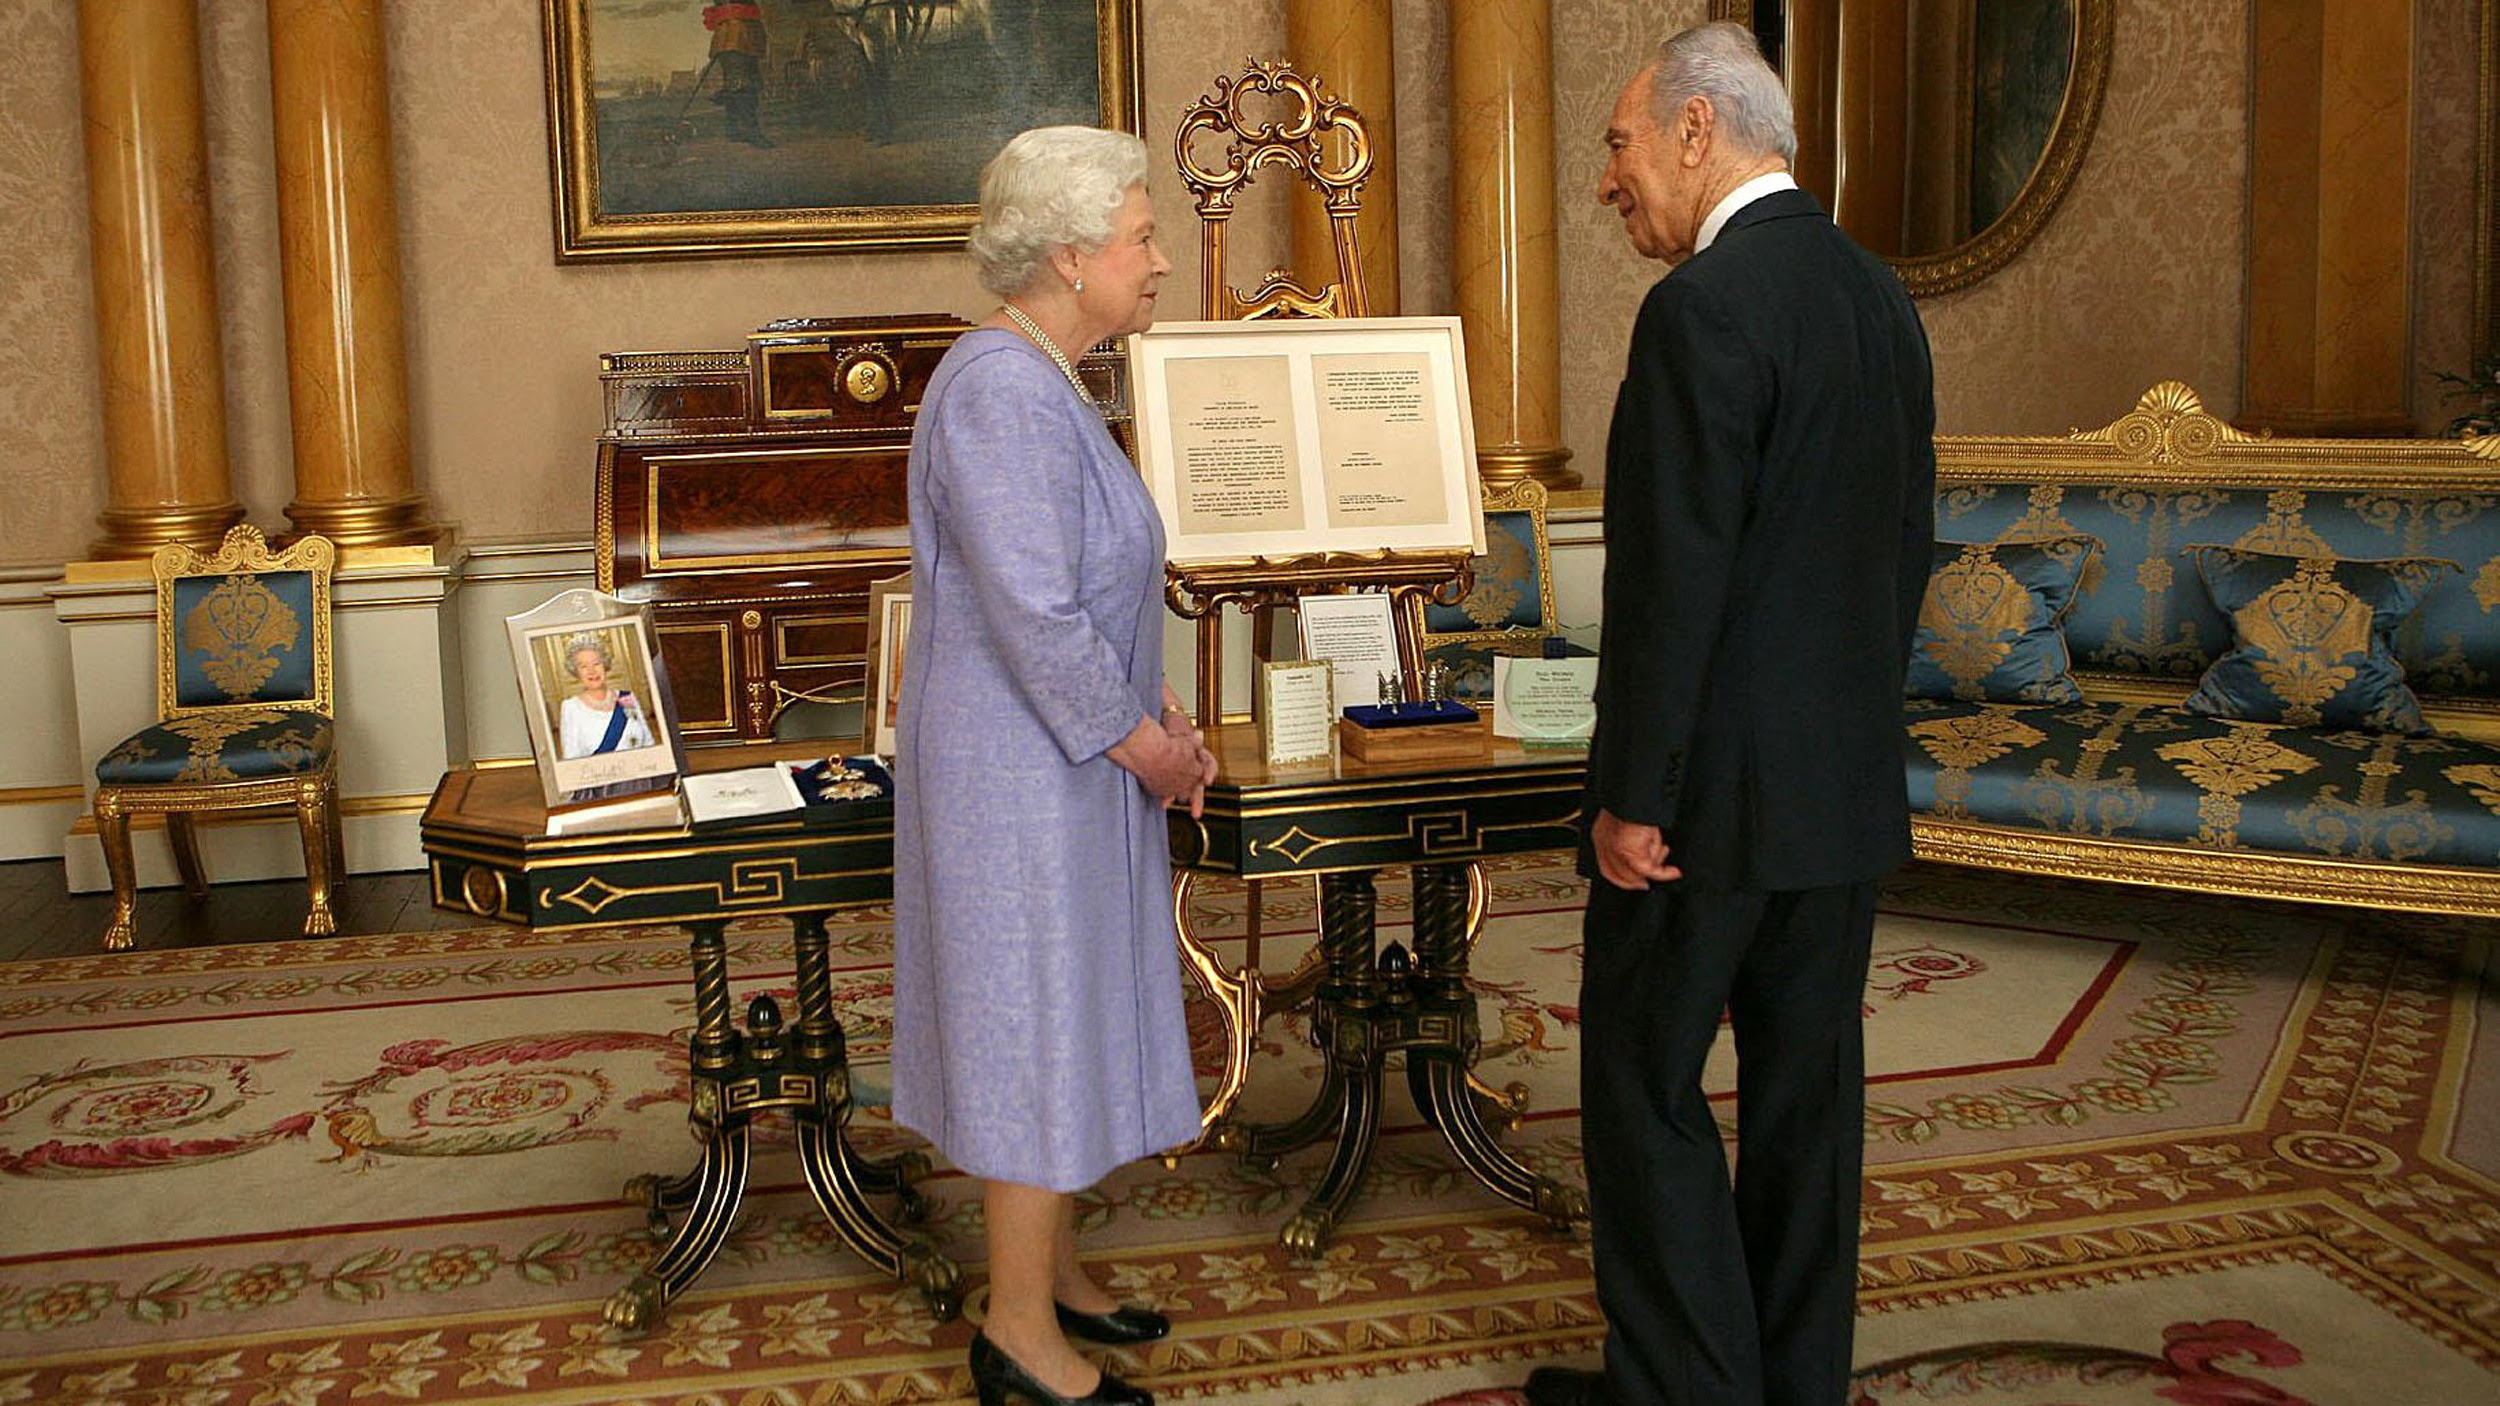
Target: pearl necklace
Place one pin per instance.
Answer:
(1041, 339)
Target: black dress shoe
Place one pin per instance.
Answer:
(1121, 1327)
(999, 1379)
(1567, 1386)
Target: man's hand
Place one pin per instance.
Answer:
(1631, 856)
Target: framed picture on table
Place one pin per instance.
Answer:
(889, 629)
(596, 700)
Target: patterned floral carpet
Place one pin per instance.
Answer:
(2122, 1147)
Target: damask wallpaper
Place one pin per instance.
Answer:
(2137, 278)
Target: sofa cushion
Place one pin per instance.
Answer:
(1990, 625)
(2312, 638)
(2143, 612)
(2163, 775)
(224, 744)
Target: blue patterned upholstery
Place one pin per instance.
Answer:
(243, 638)
(2143, 611)
(1990, 625)
(237, 744)
(2312, 639)
(2161, 775)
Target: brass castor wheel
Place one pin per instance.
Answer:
(644, 1190)
(633, 1309)
(937, 1278)
(1562, 1206)
(1303, 1236)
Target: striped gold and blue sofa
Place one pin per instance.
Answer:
(2129, 786)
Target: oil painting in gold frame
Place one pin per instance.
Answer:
(808, 126)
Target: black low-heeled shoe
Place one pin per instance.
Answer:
(997, 1378)
(1121, 1327)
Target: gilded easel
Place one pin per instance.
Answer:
(1302, 144)
(1323, 142)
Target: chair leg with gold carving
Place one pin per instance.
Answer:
(112, 830)
(312, 818)
(182, 832)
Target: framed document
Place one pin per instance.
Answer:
(1298, 435)
(1356, 634)
(889, 629)
(596, 700)
(1297, 711)
(1550, 702)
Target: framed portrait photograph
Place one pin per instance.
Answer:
(802, 126)
(889, 630)
(596, 700)
(1294, 436)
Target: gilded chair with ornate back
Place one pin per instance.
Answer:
(243, 702)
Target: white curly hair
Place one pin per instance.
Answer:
(1050, 186)
(585, 643)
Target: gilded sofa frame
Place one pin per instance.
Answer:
(313, 795)
(2170, 439)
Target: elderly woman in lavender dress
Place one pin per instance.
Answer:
(1038, 1034)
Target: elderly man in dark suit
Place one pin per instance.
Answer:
(1769, 504)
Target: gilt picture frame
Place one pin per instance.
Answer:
(808, 126)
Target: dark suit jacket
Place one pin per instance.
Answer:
(1770, 485)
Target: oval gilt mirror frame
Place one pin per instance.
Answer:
(2061, 157)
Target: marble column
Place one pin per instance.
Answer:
(161, 365)
(1502, 237)
(338, 238)
(1346, 44)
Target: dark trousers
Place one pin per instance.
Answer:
(1720, 1295)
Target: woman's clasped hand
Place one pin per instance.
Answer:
(1171, 761)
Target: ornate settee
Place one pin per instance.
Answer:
(2127, 786)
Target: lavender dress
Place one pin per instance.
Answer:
(1038, 1034)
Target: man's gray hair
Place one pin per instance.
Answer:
(1722, 62)
(1050, 186)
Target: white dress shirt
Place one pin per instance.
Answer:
(1736, 200)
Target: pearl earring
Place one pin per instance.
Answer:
(1080, 285)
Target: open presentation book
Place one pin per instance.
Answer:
(1290, 436)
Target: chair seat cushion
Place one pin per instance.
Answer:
(2164, 775)
(240, 744)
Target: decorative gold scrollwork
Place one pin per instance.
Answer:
(1299, 144)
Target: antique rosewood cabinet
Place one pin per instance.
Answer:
(753, 495)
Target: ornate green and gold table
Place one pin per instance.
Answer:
(488, 855)
(1343, 822)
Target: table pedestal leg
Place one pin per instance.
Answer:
(1360, 1015)
(734, 1075)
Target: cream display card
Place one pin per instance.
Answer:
(1545, 700)
(1286, 437)
(1297, 711)
(1357, 636)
